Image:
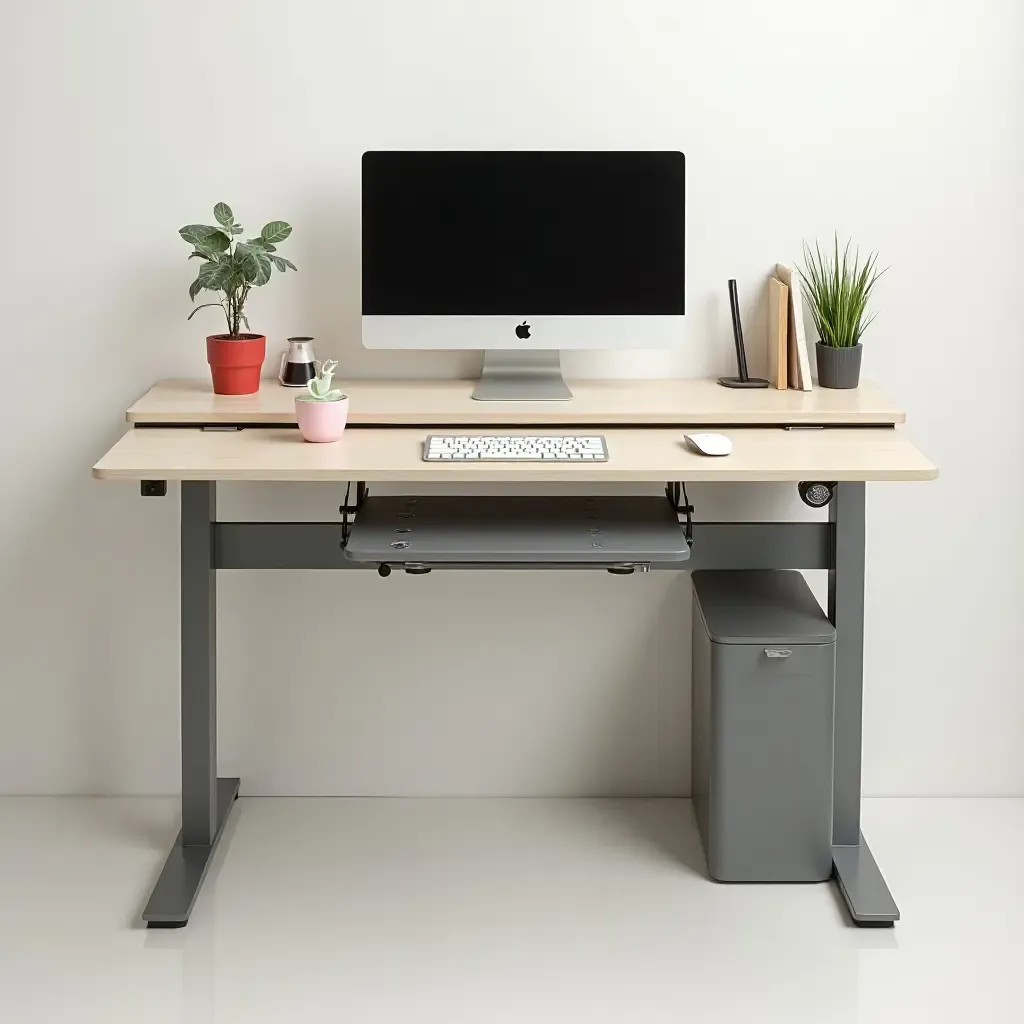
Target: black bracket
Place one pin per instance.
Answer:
(346, 510)
(153, 488)
(675, 491)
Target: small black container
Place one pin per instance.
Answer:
(838, 367)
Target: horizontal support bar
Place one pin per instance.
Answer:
(761, 546)
(279, 546)
(715, 546)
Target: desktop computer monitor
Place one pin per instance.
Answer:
(522, 254)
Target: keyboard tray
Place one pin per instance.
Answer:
(526, 530)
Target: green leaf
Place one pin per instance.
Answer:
(275, 231)
(194, 289)
(259, 243)
(262, 275)
(205, 237)
(210, 251)
(236, 229)
(224, 215)
(281, 263)
(255, 264)
(837, 286)
(213, 276)
(201, 255)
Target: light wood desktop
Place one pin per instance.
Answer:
(376, 455)
(657, 452)
(180, 431)
(611, 402)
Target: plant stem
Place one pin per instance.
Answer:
(240, 308)
(232, 296)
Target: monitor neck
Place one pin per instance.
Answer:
(530, 375)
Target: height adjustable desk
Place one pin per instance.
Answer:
(180, 431)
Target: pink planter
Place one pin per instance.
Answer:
(321, 421)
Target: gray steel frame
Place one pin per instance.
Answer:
(205, 799)
(853, 866)
(207, 545)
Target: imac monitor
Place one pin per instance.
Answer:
(522, 254)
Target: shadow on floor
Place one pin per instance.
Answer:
(666, 826)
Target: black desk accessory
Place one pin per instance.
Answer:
(744, 380)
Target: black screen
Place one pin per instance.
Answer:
(481, 233)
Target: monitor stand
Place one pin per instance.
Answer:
(517, 375)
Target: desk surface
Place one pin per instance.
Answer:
(605, 402)
(394, 454)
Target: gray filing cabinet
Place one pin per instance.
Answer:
(763, 694)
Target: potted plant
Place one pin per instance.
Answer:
(323, 412)
(232, 267)
(837, 286)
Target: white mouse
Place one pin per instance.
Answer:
(710, 444)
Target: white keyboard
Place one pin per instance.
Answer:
(515, 448)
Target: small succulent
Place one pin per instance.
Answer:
(319, 387)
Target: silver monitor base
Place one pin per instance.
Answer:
(531, 375)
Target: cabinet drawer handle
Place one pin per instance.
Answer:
(777, 652)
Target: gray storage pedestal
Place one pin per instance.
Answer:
(763, 692)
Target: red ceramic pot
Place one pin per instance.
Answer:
(235, 363)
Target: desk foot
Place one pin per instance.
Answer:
(177, 888)
(862, 886)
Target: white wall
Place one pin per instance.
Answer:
(895, 121)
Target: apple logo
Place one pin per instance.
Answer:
(523, 330)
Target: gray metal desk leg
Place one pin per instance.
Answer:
(860, 882)
(205, 799)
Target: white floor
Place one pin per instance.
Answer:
(498, 911)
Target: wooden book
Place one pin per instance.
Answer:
(778, 333)
(799, 357)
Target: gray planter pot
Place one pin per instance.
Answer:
(838, 367)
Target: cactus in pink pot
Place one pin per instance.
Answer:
(323, 413)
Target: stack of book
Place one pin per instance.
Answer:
(789, 365)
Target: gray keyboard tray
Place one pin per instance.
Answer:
(516, 529)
